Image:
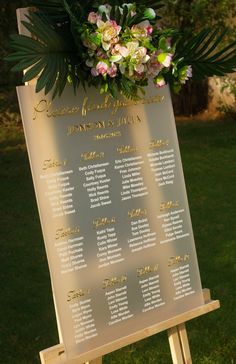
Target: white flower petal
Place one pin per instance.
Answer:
(115, 58)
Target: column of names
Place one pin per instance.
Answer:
(173, 225)
(182, 281)
(132, 181)
(162, 163)
(97, 184)
(82, 316)
(116, 295)
(59, 192)
(109, 250)
(70, 249)
(142, 237)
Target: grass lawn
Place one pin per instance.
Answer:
(27, 322)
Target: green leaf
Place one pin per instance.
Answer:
(34, 71)
(61, 82)
(203, 53)
(53, 77)
(124, 16)
(25, 63)
(47, 56)
(210, 44)
(40, 28)
(20, 41)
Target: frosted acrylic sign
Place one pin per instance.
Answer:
(114, 212)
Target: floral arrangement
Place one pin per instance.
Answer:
(135, 52)
(116, 47)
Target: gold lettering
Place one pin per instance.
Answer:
(114, 134)
(64, 232)
(103, 124)
(42, 106)
(87, 106)
(102, 221)
(84, 110)
(77, 294)
(147, 270)
(135, 213)
(111, 282)
(92, 155)
(178, 259)
(128, 120)
(158, 143)
(110, 124)
(72, 129)
(124, 149)
(169, 205)
(100, 124)
(46, 106)
(51, 163)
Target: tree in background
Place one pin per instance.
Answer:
(192, 16)
(197, 14)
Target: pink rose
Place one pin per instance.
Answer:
(102, 68)
(94, 72)
(101, 54)
(153, 65)
(119, 49)
(165, 59)
(93, 17)
(112, 71)
(159, 81)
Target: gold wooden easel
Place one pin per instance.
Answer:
(177, 334)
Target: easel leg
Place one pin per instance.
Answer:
(175, 346)
(184, 343)
(179, 345)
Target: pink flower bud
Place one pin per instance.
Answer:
(149, 29)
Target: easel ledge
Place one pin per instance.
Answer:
(176, 332)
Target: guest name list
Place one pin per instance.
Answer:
(114, 212)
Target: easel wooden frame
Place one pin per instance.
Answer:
(176, 330)
(177, 335)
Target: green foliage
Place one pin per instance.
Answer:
(56, 52)
(202, 52)
(195, 15)
(48, 55)
(191, 17)
(228, 92)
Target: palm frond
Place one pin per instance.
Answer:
(52, 9)
(203, 53)
(46, 56)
